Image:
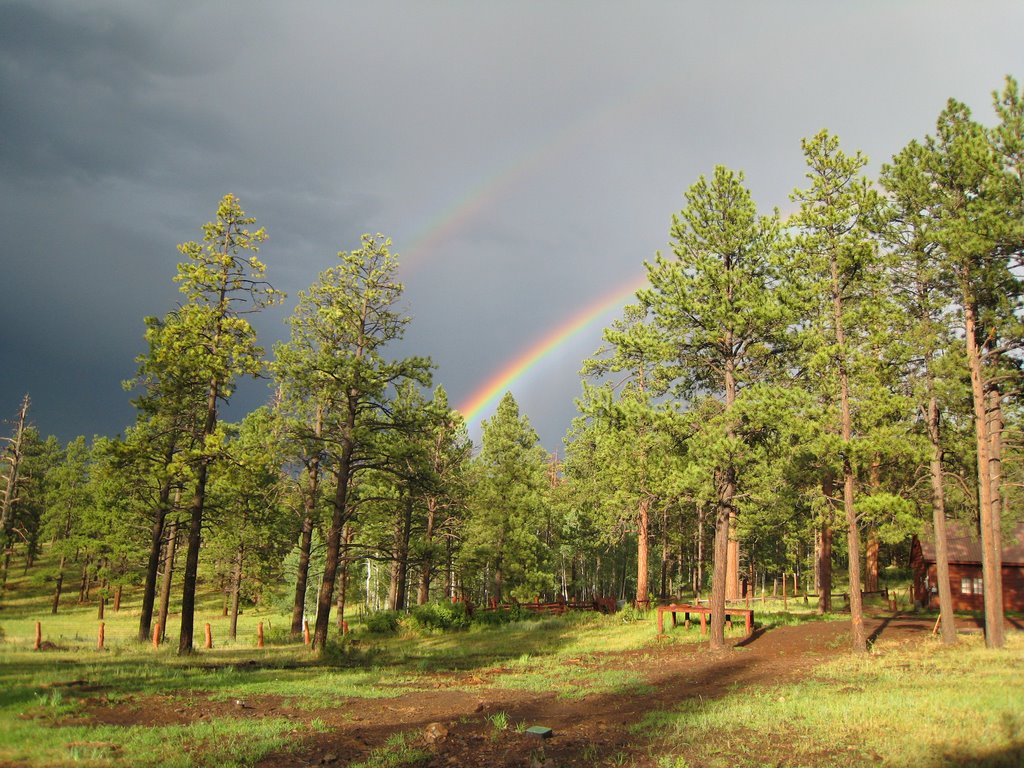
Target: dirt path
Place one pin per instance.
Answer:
(449, 715)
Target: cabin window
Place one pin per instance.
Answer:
(971, 586)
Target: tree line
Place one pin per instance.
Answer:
(851, 367)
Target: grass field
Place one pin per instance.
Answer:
(912, 704)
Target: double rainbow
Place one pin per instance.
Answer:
(487, 395)
(484, 194)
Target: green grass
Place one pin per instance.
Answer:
(398, 751)
(914, 705)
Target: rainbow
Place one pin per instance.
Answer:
(459, 212)
(454, 217)
(486, 397)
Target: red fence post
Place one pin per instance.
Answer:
(156, 635)
(305, 631)
(259, 635)
(209, 637)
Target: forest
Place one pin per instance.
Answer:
(789, 399)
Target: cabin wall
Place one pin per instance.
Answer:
(965, 584)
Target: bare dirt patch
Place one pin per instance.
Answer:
(452, 715)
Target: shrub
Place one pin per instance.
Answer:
(433, 616)
(382, 622)
(503, 616)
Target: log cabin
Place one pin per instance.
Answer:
(964, 546)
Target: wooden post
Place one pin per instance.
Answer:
(39, 636)
(99, 640)
(259, 635)
(344, 627)
(305, 631)
(156, 635)
(209, 636)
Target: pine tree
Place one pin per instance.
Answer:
(335, 365)
(836, 263)
(211, 336)
(718, 305)
(504, 535)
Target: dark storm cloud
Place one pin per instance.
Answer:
(83, 96)
(525, 158)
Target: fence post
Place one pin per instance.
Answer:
(39, 636)
(99, 640)
(209, 636)
(305, 631)
(156, 635)
(259, 635)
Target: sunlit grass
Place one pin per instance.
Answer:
(910, 705)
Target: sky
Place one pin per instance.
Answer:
(525, 158)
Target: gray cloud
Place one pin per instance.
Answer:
(525, 158)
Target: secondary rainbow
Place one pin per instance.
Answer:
(487, 395)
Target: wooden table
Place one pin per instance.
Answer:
(704, 612)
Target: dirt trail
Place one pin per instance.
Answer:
(586, 731)
(449, 714)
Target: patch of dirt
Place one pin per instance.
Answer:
(449, 715)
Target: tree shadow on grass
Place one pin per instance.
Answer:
(1005, 757)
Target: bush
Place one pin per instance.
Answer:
(503, 616)
(434, 616)
(631, 614)
(382, 622)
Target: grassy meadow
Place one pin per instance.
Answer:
(913, 704)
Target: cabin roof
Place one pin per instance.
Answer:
(965, 545)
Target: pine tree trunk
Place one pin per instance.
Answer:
(939, 525)
(449, 568)
(643, 543)
(427, 567)
(991, 558)
(309, 503)
(339, 517)
(195, 532)
(156, 541)
(700, 549)
(718, 578)
(11, 484)
(83, 587)
(165, 583)
(995, 464)
(59, 584)
(732, 568)
(858, 637)
(302, 575)
(825, 550)
(346, 540)
(871, 553)
(666, 556)
(871, 561)
(236, 590)
(400, 556)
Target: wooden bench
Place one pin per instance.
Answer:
(704, 612)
